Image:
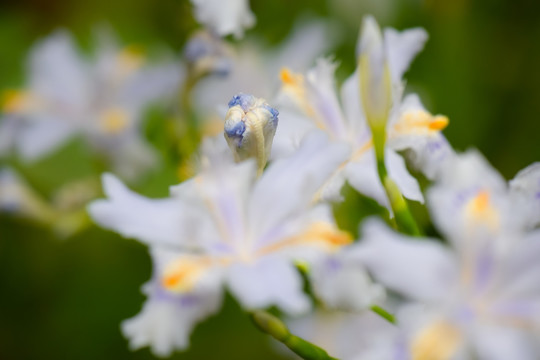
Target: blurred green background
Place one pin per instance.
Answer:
(65, 299)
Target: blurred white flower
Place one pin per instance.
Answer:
(224, 227)
(207, 54)
(102, 100)
(472, 201)
(479, 298)
(475, 305)
(410, 126)
(224, 17)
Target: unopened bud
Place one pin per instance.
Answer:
(207, 54)
(250, 126)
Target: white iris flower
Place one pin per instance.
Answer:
(409, 125)
(479, 297)
(225, 227)
(102, 100)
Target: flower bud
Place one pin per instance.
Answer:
(207, 54)
(250, 126)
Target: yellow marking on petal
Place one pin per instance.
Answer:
(14, 101)
(420, 122)
(438, 341)
(183, 274)
(288, 78)
(320, 234)
(480, 209)
(114, 120)
(130, 59)
(294, 85)
(439, 123)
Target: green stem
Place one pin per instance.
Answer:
(384, 314)
(404, 219)
(273, 326)
(187, 130)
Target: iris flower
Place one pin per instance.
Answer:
(226, 228)
(311, 102)
(476, 297)
(102, 100)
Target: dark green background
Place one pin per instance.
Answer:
(64, 299)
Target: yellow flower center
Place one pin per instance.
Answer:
(438, 341)
(480, 210)
(130, 59)
(114, 120)
(14, 101)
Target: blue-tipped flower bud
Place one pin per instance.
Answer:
(207, 54)
(250, 126)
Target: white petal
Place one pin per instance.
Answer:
(42, 137)
(266, 282)
(323, 97)
(375, 87)
(288, 186)
(150, 85)
(462, 179)
(166, 321)
(397, 170)
(219, 196)
(152, 221)
(518, 281)
(419, 269)
(307, 41)
(58, 73)
(402, 48)
(502, 343)
(333, 278)
(225, 17)
(370, 40)
(9, 128)
(525, 193)
(292, 129)
(354, 112)
(362, 175)
(347, 336)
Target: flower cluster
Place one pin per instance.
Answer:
(254, 214)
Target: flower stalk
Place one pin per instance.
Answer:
(384, 314)
(404, 219)
(274, 327)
